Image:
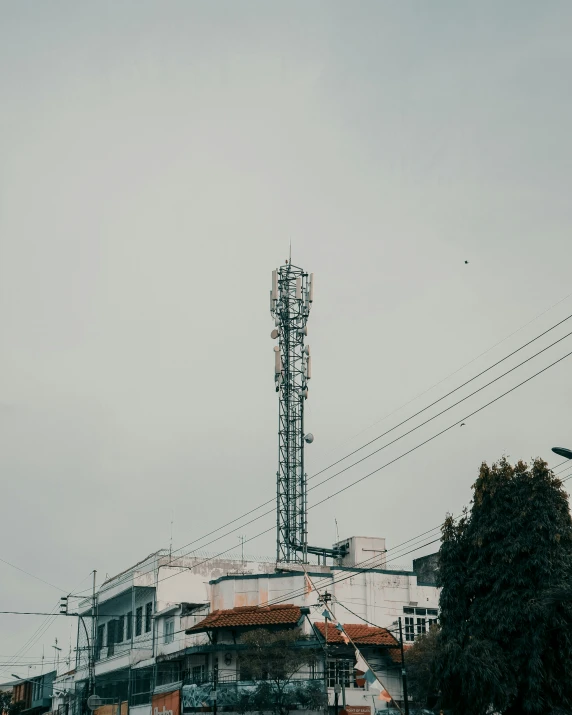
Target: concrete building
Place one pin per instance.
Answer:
(35, 693)
(161, 645)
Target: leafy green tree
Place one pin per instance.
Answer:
(17, 707)
(505, 643)
(313, 695)
(273, 658)
(420, 663)
(5, 700)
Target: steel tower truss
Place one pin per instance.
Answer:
(290, 302)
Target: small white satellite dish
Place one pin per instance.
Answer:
(309, 438)
(274, 334)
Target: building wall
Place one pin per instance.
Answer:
(23, 692)
(234, 592)
(379, 596)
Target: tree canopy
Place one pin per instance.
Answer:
(505, 638)
(272, 658)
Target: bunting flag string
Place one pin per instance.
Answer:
(361, 665)
(385, 696)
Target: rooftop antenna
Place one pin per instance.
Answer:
(171, 540)
(56, 655)
(70, 648)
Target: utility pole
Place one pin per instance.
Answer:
(337, 690)
(215, 679)
(346, 667)
(403, 671)
(325, 599)
(91, 651)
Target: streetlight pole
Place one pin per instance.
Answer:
(563, 452)
(91, 651)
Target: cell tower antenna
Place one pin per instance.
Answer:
(290, 302)
(291, 299)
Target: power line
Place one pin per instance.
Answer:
(32, 575)
(260, 516)
(271, 501)
(460, 368)
(360, 566)
(393, 461)
(327, 581)
(459, 387)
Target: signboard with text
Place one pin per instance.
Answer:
(358, 709)
(166, 703)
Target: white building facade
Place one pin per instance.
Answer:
(153, 657)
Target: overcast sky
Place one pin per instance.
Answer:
(156, 158)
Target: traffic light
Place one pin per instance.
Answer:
(64, 605)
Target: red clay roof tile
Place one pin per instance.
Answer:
(359, 634)
(247, 616)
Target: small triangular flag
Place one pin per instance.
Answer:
(370, 676)
(360, 665)
(384, 695)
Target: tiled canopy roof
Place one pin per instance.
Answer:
(363, 635)
(358, 633)
(248, 616)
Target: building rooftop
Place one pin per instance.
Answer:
(358, 633)
(247, 616)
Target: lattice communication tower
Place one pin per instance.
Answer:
(291, 299)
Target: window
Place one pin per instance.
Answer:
(409, 629)
(198, 674)
(99, 641)
(167, 673)
(138, 620)
(342, 672)
(141, 685)
(419, 625)
(169, 630)
(345, 673)
(148, 612)
(110, 637)
(129, 625)
(331, 673)
(120, 629)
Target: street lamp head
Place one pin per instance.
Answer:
(562, 452)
